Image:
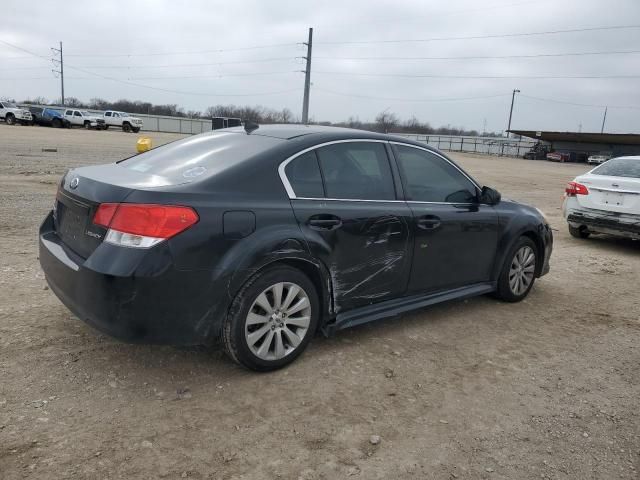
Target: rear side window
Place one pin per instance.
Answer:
(619, 167)
(356, 170)
(430, 178)
(304, 176)
(108, 114)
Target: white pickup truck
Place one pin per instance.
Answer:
(79, 118)
(123, 120)
(12, 114)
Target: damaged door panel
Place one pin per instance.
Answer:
(367, 254)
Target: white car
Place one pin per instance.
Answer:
(127, 122)
(12, 114)
(605, 200)
(80, 118)
(598, 159)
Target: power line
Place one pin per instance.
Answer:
(219, 75)
(209, 64)
(192, 52)
(394, 58)
(486, 77)
(126, 82)
(485, 57)
(564, 102)
(200, 94)
(478, 37)
(396, 99)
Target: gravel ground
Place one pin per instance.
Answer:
(547, 388)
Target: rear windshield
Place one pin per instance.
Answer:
(200, 156)
(620, 167)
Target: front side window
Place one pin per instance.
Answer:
(356, 170)
(77, 114)
(304, 176)
(430, 178)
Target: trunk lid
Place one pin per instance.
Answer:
(613, 194)
(80, 194)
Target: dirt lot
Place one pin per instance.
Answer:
(548, 388)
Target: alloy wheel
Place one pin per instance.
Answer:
(522, 270)
(278, 321)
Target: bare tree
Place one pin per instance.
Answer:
(386, 121)
(73, 102)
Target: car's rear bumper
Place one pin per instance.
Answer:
(601, 221)
(134, 295)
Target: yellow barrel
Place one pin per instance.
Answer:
(144, 144)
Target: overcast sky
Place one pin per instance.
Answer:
(150, 43)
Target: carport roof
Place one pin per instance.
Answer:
(581, 137)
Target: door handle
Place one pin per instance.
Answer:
(325, 222)
(428, 222)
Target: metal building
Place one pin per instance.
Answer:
(580, 145)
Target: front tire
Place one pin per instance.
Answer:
(579, 232)
(126, 127)
(87, 125)
(136, 129)
(271, 319)
(56, 123)
(10, 119)
(518, 272)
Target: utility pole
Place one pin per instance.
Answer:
(604, 119)
(307, 80)
(513, 97)
(61, 71)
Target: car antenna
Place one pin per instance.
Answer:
(250, 126)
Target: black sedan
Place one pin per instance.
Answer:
(261, 237)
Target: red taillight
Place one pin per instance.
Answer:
(575, 188)
(147, 220)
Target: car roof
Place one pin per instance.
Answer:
(629, 157)
(290, 131)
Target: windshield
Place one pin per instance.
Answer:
(9, 105)
(619, 167)
(199, 156)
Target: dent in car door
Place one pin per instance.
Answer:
(364, 243)
(455, 237)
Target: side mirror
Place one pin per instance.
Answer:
(489, 196)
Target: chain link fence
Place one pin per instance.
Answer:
(509, 147)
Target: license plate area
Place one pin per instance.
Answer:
(71, 223)
(613, 198)
(72, 220)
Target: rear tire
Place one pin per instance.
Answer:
(518, 272)
(106, 127)
(272, 319)
(579, 232)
